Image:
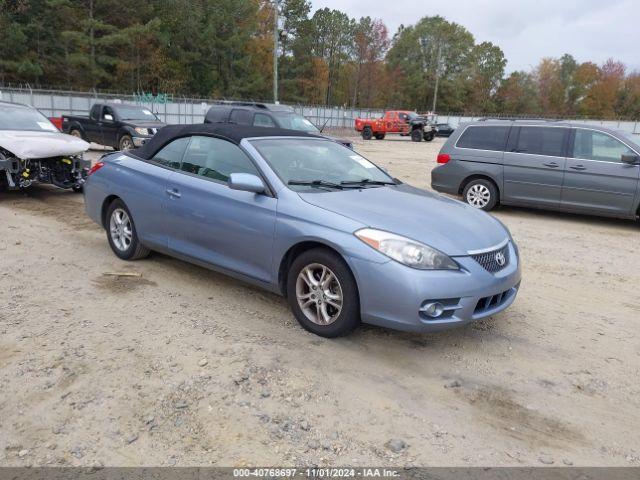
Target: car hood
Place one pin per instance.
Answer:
(143, 124)
(26, 144)
(452, 227)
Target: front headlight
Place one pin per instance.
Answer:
(406, 251)
(141, 131)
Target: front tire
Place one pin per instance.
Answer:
(126, 143)
(122, 234)
(380, 136)
(481, 194)
(416, 135)
(367, 133)
(429, 137)
(323, 294)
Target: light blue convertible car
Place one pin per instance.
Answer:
(309, 219)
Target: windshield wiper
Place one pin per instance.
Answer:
(367, 181)
(316, 183)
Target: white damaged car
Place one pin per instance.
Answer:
(33, 150)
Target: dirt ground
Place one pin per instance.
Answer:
(183, 366)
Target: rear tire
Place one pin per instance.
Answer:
(481, 194)
(76, 133)
(122, 234)
(323, 294)
(367, 133)
(416, 135)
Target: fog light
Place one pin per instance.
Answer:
(433, 310)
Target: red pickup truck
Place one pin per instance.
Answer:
(402, 122)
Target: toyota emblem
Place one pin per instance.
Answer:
(500, 259)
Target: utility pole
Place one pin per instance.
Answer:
(276, 37)
(435, 92)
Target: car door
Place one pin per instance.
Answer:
(109, 127)
(534, 164)
(212, 223)
(92, 129)
(147, 193)
(596, 179)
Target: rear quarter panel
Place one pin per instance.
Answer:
(141, 185)
(466, 163)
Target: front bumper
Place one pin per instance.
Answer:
(140, 141)
(393, 295)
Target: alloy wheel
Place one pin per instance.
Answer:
(478, 196)
(319, 294)
(120, 229)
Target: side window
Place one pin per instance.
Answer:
(592, 145)
(484, 138)
(241, 117)
(404, 117)
(262, 120)
(95, 112)
(171, 154)
(108, 111)
(216, 159)
(542, 141)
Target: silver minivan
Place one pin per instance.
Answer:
(546, 164)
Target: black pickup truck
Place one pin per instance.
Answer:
(116, 125)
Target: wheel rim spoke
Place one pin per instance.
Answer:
(319, 294)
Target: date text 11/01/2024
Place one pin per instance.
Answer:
(316, 472)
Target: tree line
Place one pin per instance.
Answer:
(224, 49)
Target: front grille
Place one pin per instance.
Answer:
(490, 260)
(489, 303)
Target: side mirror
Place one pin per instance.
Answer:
(630, 159)
(108, 117)
(246, 182)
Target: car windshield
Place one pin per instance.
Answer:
(20, 118)
(293, 121)
(135, 113)
(310, 164)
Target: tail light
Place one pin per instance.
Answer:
(95, 168)
(443, 157)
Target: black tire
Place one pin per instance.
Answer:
(429, 137)
(367, 133)
(75, 132)
(125, 143)
(135, 249)
(77, 188)
(348, 317)
(474, 194)
(416, 135)
(380, 136)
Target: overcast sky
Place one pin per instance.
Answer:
(526, 30)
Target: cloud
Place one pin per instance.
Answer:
(526, 30)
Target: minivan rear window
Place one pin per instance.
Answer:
(484, 138)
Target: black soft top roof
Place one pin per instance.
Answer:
(232, 132)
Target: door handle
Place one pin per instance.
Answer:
(172, 192)
(578, 167)
(551, 164)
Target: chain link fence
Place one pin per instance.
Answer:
(175, 109)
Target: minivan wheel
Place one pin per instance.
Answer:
(121, 233)
(416, 135)
(481, 194)
(323, 294)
